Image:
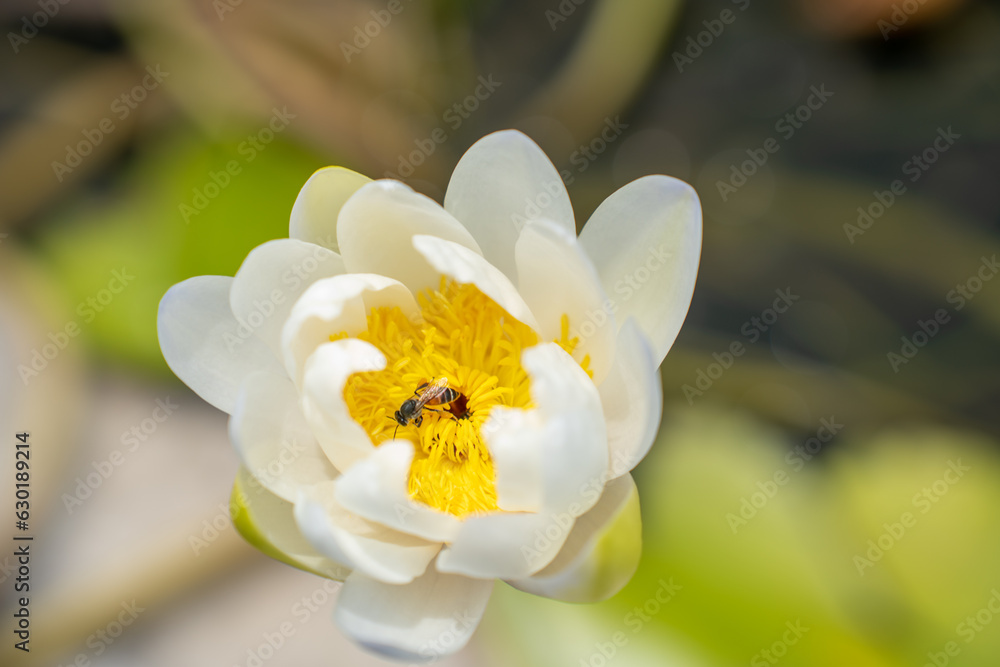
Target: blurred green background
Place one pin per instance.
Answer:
(830, 495)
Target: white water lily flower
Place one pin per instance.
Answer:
(544, 349)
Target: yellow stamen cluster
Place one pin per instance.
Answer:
(466, 338)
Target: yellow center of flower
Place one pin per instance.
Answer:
(465, 338)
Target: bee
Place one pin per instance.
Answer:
(429, 393)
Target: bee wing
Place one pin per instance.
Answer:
(440, 383)
(432, 392)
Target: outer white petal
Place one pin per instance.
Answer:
(560, 448)
(343, 439)
(271, 279)
(376, 489)
(273, 439)
(601, 553)
(557, 452)
(515, 439)
(314, 214)
(557, 278)
(503, 181)
(267, 522)
(379, 552)
(432, 617)
(332, 305)
(632, 398)
(648, 234)
(505, 545)
(376, 226)
(464, 266)
(203, 344)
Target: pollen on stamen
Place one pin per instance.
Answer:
(467, 339)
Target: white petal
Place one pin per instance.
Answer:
(271, 279)
(556, 279)
(557, 452)
(503, 181)
(515, 438)
(632, 398)
(466, 267)
(505, 545)
(432, 617)
(377, 224)
(314, 214)
(273, 439)
(203, 343)
(601, 553)
(379, 552)
(554, 455)
(646, 240)
(376, 489)
(343, 439)
(337, 304)
(267, 522)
